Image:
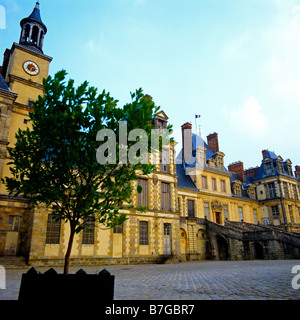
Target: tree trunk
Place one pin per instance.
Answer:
(68, 253)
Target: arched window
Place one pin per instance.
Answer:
(35, 33)
(27, 32)
(265, 222)
(41, 39)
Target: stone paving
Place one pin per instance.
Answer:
(205, 280)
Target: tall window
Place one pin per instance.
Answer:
(88, 231)
(164, 160)
(295, 192)
(165, 196)
(214, 184)
(275, 211)
(268, 167)
(226, 214)
(206, 210)
(143, 196)
(255, 216)
(291, 213)
(53, 230)
(13, 223)
(204, 182)
(240, 213)
(143, 226)
(223, 188)
(272, 190)
(286, 190)
(191, 209)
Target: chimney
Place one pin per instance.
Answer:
(297, 172)
(238, 168)
(5, 63)
(212, 142)
(264, 153)
(187, 144)
(251, 172)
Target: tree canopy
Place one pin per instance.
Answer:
(54, 159)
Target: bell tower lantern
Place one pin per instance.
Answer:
(33, 30)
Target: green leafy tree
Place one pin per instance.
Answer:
(54, 162)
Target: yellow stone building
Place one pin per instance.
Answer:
(196, 207)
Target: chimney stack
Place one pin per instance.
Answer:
(251, 172)
(297, 172)
(187, 144)
(264, 153)
(238, 168)
(213, 142)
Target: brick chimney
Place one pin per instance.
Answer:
(238, 168)
(187, 144)
(251, 172)
(213, 142)
(264, 153)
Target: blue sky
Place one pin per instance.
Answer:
(235, 62)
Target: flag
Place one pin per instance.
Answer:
(197, 116)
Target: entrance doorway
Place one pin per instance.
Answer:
(258, 251)
(222, 248)
(167, 239)
(218, 217)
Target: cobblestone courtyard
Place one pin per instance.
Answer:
(205, 280)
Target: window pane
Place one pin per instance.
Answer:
(164, 161)
(143, 196)
(165, 196)
(88, 231)
(191, 212)
(206, 210)
(53, 230)
(143, 232)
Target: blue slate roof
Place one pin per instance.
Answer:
(261, 172)
(3, 84)
(36, 14)
(183, 179)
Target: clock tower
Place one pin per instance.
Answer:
(24, 67)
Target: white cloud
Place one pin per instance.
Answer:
(247, 119)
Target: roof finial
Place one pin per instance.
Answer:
(37, 5)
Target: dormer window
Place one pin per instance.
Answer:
(237, 189)
(280, 166)
(160, 120)
(290, 170)
(268, 166)
(161, 124)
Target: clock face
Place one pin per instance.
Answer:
(31, 68)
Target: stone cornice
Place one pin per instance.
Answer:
(23, 48)
(26, 82)
(8, 94)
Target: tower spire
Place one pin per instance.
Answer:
(33, 30)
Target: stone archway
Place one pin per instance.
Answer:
(223, 250)
(258, 251)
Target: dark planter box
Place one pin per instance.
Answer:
(80, 287)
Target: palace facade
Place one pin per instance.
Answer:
(197, 208)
